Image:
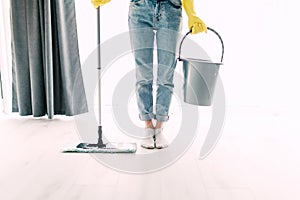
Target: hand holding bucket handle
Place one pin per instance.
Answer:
(210, 29)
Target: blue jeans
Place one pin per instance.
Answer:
(149, 20)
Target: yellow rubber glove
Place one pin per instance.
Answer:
(195, 23)
(97, 3)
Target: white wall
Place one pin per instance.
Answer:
(261, 43)
(5, 57)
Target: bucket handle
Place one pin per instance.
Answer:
(210, 29)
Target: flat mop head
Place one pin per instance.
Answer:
(103, 148)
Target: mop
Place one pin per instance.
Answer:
(101, 147)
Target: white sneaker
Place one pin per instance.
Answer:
(148, 142)
(160, 140)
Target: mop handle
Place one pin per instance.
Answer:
(208, 28)
(99, 64)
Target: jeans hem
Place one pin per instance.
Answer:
(162, 118)
(146, 117)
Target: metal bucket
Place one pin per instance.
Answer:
(200, 77)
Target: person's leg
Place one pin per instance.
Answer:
(142, 38)
(167, 36)
(140, 22)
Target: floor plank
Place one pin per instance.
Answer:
(256, 159)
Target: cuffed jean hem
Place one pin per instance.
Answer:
(146, 117)
(161, 118)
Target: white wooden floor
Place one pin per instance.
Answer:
(257, 158)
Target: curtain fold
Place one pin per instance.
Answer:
(46, 67)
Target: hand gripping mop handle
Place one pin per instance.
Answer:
(100, 142)
(208, 28)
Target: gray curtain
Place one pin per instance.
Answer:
(47, 76)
